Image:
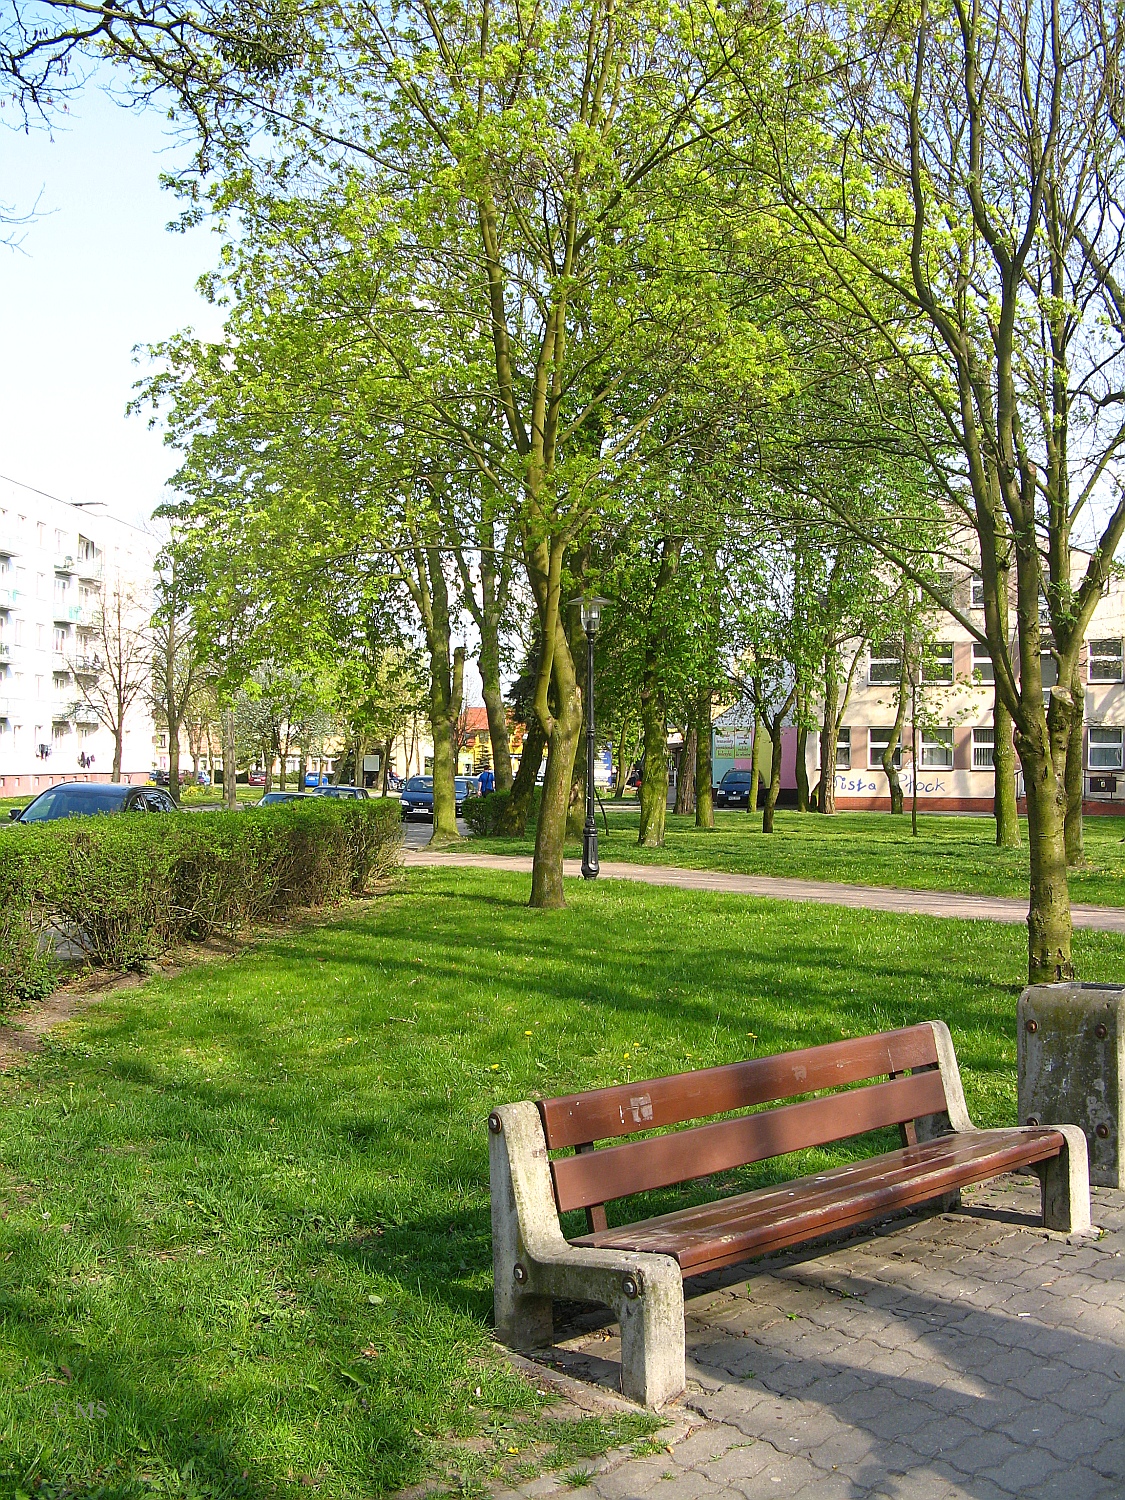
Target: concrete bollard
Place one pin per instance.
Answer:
(1071, 1063)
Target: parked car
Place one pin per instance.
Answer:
(314, 778)
(271, 799)
(255, 778)
(80, 799)
(340, 791)
(418, 797)
(734, 789)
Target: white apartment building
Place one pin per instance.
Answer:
(57, 562)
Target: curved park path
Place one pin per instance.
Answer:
(822, 892)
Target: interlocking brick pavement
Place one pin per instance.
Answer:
(970, 1355)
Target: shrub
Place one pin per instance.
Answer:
(27, 965)
(483, 814)
(124, 889)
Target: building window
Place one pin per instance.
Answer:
(61, 638)
(937, 662)
(1049, 667)
(885, 667)
(937, 749)
(984, 743)
(976, 592)
(877, 742)
(844, 749)
(1105, 661)
(983, 670)
(944, 583)
(1105, 750)
(59, 732)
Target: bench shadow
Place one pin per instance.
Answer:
(979, 1395)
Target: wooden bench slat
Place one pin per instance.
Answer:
(660, 1161)
(721, 1233)
(573, 1119)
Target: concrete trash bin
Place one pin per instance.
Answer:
(1071, 1063)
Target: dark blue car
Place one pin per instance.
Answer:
(418, 795)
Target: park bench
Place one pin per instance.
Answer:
(909, 1079)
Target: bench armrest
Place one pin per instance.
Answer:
(955, 1106)
(534, 1263)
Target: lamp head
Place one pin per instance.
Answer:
(592, 607)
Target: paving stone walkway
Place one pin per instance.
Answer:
(822, 892)
(971, 1356)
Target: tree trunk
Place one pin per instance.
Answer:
(302, 767)
(497, 715)
(704, 763)
(685, 775)
(894, 784)
(802, 770)
(626, 738)
(576, 807)
(118, 737)
(230, 760)
(775, 774)
(566, 727)
(1004, 805)
(513, 820)
(1048, 920)
(654, 776)
(755, 773)
(829, 737)
(1074, 780)
(446, 687)
(385, 769)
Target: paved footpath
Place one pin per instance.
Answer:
(823, 892)
(968, 1356)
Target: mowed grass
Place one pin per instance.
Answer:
(949, 854)
(244, 1221)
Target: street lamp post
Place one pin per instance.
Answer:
(591, 618)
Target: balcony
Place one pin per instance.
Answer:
(5, 651)
(85, 717)
(92, 568)
(85, 666)
(64, 563)
(7, 597)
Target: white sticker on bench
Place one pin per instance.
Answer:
(641, 1107)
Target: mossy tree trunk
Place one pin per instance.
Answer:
(685, 774)
(513, 820)
(704, 765)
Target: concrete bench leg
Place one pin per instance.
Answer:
(533, 1264)
(1064, 1183)
(653, 1362)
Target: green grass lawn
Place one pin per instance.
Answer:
(244, 1223)
(949, 854)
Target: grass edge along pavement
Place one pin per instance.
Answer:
(852, 848)
(245, 1208)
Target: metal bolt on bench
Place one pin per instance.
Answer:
(638, 1269)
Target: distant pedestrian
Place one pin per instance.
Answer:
(487, 782)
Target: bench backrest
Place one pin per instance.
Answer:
(906, 1059)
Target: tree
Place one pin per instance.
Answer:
(972, 224)
(174, 667)
(120, 671)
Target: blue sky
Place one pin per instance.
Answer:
(96, 274)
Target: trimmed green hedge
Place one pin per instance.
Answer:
(125, 889)
(483, 814)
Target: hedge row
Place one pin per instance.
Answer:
(124, 889)
(483, 814)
